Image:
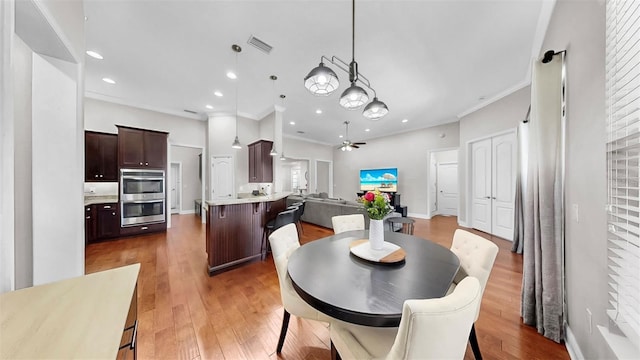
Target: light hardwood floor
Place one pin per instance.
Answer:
(185, 314)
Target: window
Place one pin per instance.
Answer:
(623, 167)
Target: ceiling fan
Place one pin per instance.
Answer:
(347, 145)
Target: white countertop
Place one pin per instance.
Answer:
(78, 318)
(253, 199)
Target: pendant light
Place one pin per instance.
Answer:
(273, 151)
(322, 81)
(236, 142)
(375, 110)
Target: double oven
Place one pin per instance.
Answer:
(142, 197)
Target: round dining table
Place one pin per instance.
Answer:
(334, 281)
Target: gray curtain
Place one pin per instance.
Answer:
(542, 283)
(518, 221)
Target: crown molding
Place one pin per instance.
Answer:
(116, 100)
(500, 95)
(294, 137)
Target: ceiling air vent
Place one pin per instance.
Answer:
(260, 45)
(190, 112)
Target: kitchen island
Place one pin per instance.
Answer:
(235, 229)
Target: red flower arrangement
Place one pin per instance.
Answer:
(377, 204)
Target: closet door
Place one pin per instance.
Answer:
(504, 153)
(481, 185)
(493, 172)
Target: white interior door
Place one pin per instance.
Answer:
(504, 154)
(481, 185)
(493, 174)
(447, 184)
(174, 177)
(221, 177)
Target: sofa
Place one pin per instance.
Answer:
(319, 210)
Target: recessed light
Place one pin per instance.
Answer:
(217, 93)
(367, 130)
(340, 136)
(94, 55)
(109, 81)
(292, 122)
(318, 111)
(232, 75)
(404, 120)
(209, 107)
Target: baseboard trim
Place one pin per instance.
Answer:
(184, 212)
(418, 215)
(572, 345)
(462, 223)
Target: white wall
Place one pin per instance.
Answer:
(220, 135)
(104, 116)
(497, 117)
(36, 94)
(22, 72)
(58, 236)
(300, 149)
(191, 184)
(579, 27)
(446, 156)
(267, 127)
(7, 243)
(407, 152)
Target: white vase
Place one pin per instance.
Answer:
(376, 234)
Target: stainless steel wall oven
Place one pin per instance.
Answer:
(142, 197)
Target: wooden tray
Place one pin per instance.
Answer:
(390, 253)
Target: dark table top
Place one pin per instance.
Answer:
(331, 279)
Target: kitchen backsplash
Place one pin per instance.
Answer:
(101, 189)
(262, 187)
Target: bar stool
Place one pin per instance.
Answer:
(283, 218)
(300, 205)
(407, 224)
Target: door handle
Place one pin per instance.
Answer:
(493, 198)
(487, 197)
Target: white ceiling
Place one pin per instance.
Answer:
(429, 61)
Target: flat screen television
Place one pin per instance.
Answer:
(382, 179)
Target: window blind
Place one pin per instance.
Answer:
(623, 166)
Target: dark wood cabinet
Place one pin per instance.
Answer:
(100, 156)
(260, 162)
(108, 224)
(102, 221)
(90, 221)
(139, 148)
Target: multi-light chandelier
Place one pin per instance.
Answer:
(322, 81)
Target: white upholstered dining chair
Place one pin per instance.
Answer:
(284, 241)
(342, 223)
(429, 329)
(477, 256)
